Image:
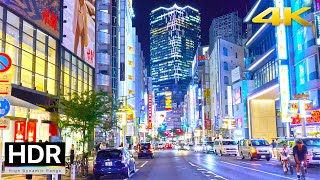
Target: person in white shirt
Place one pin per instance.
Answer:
(103, 145)
(285, 153)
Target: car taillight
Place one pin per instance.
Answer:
(151, 149)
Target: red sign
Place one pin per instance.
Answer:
(49, 18)
(201, 58)
(90, 54)
(149, 112)
(20, 131)
(315, 118)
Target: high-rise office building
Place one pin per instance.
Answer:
(227, 27)
(175, 36)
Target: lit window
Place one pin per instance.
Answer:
(225, 51)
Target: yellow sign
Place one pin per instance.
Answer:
(301, 96)
(276, 20)
(130, 77)
(131, 91)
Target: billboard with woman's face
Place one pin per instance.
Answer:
(79, 28)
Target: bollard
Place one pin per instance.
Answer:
(73, 171)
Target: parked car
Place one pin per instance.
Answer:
(198, 147)
(208, 147)
(114, 161)
(255, 149)
(181, 147)
(168, 146)
(313, 146)
(145, 150)
(190, 147)
(225, 147)
(160, 146)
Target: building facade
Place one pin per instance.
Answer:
(228, 26)
(174, 38)
(225, 56)
(47, 64)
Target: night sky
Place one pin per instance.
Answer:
(209, 9)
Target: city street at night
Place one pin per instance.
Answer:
(188, 165)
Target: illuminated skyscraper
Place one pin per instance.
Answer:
(175, 36)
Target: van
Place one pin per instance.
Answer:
(255, 149)
(312, 144)
(208, 147)
(225, 147)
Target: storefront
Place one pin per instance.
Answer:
(312, 124)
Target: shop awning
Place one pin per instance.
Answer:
(18, 102)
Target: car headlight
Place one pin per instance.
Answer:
(253, 150)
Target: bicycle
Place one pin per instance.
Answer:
(288, 166)
(303, 171)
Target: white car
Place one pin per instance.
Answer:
(198, 148)
(225, 147)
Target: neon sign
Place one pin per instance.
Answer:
(49, 18)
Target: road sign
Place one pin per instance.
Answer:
(4, 123)
(5, 62)
(5, 89)
(4, 107)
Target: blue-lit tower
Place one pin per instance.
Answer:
(174, 38)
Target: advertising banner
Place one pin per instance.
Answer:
(79, 28)
(317, 5)
(237, 95)
(45, 14)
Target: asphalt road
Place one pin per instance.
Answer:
(186, 165)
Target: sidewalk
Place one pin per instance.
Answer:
(44, 177)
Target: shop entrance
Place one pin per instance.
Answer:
(262, 113)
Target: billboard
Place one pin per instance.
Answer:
(237, 95)
(79, 28)
(46, 14)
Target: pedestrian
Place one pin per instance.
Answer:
(103, 146)
(40, 141)
(121, 144)
(72, 154)
(274, 146)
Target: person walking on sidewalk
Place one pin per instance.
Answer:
(72, 154)
(274, 146)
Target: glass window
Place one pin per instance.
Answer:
(90, 71)
(27, 28)
(1, 27)
(13, 19)
(66, 56)
(51, 86)
(40, 66)
(39, 82)
(73, 83)
(13, 52)
(225, 51)
(85, 78)
(90, 80)
(41, 36)
(74, 60)
(1, 12)
(41, 50)
(67, 67)
(225, 66)
(12, 35)
(66, 80)
(80, 74)
(226, 109)
(66, 91)
(51, 71)
(27, 43)
(52, 43)
(74, 71)
(226, 80)
(27, 61)
(52, 55)
(236, 55)
(26, 81)
(80, 86)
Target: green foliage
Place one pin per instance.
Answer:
(83, 112)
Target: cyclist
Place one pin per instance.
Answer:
(285, 157)
(300, 152)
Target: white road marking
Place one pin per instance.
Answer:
(144, 164)
(201, 169)
(256, 170)
(217, 176)
(251, 164)
(191, 164)
(210, 163)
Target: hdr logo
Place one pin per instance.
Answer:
(35, 158)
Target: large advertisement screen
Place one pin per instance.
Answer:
(79, 28)
(45, 14)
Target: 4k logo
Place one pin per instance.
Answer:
(276, 20)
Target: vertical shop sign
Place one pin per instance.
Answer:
(284, 92)
(281, 33)
(317, 26)
(149, 111)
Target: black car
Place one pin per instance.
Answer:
(145, 150)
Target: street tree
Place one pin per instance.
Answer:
(85, 111)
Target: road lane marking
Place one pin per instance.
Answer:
(144, 164)
(255, 170)
(251, 164)
(210, 163)
(192, 164)
(200, 169)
